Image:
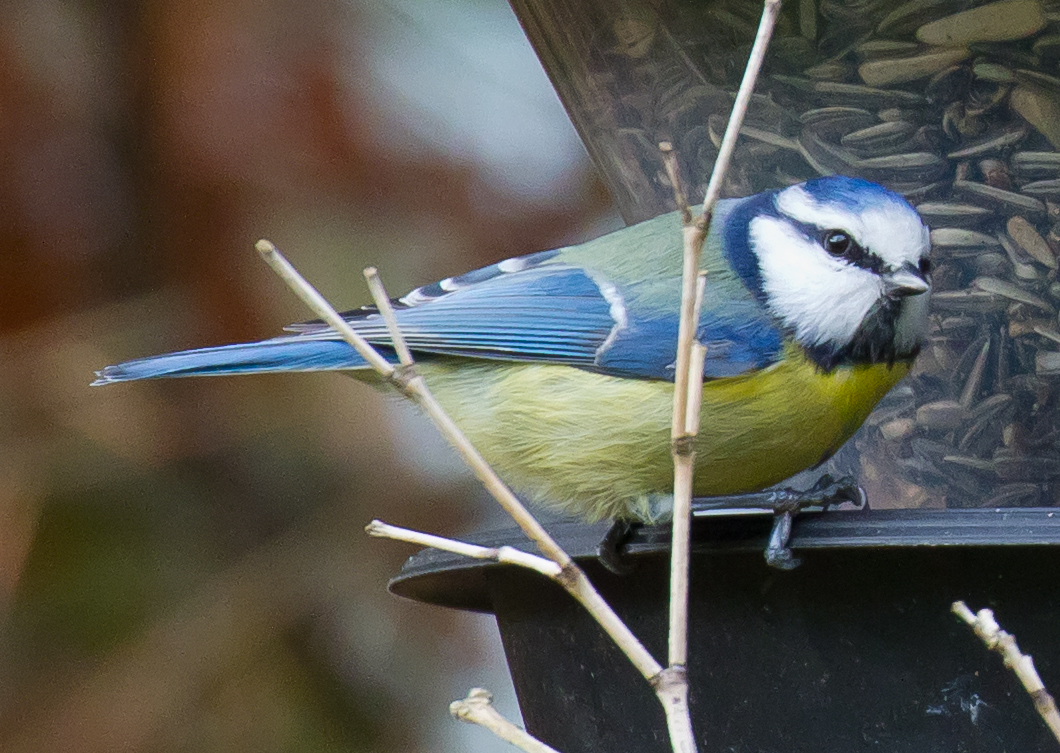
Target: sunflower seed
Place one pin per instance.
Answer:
(1006, 201)
(828, 71)
(993, 72)
(1026, 327)
(977, 464)
(944, 214)
(1039, 108)
(1010, 291)
(991, 145)
(917, 166)
(941, 415)
(948, 238)
(995, 22)
(837, 120)
(975, 377)
(882, 136)
(926, 191)
(867, 95)
(899, 428)
(1024, 234)
(1042, 189)
(949, 85)
(1047, 330)
(1036, 165)
(1047, 362)
(900, 70)
(968, 301)
(885, 48)
(1021, 261)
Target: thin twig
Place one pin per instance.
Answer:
(478, 709)
(684, 470)
(770, 12)
(508, 555)
(674, 173)
(996, 639)
(382, 301)
(572, 578)
(688, 388)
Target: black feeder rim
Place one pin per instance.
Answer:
(450, 580)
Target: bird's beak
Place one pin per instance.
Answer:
(904, 282)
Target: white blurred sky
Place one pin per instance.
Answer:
(460, 77)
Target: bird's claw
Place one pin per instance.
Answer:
(778, 554)
(787, 503)
(609, 550)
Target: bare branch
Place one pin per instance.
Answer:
(382, 302)
(695, 364)
(688, 387)
(508, 555)
(478, 709)
(996, 639)
(684, 472)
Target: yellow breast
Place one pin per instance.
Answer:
(599, 446)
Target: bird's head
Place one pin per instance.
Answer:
(842, 263)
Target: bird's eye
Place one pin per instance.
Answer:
(925, 267)
(838, 243)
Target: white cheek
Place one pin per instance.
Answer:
(824, 300)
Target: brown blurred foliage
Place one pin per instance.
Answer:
(182, 565)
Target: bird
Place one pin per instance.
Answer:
(559, 365)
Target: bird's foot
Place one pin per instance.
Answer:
(609, 550)
(785, 504)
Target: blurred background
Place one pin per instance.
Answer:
(182, 563)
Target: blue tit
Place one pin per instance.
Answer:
(559, 365)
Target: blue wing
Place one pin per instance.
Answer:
(536, 308)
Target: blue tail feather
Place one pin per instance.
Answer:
(280, 354)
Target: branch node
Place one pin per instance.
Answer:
(403, 376)
(684, 445)
(477, 698)
(568, 576)
(477, 708)
(674, 676)
(1043, 701)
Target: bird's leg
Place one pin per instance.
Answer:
(609, 550)
(785, 504)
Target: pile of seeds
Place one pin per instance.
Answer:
(955, 106)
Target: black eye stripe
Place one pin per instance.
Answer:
(862, 257)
